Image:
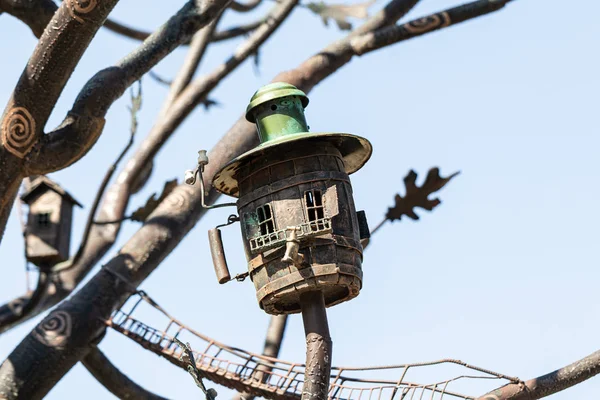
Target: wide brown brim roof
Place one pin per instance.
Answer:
(355, 151)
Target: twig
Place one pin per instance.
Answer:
(194, 56)
(159, 78)
(218, 36)
(236, 31)
(374, 230)
(136, 105)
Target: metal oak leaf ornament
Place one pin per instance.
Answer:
(340, 12)
(143, 212)
(418, 196)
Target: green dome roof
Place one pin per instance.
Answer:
(273, 91)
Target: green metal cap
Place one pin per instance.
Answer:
(277, 110)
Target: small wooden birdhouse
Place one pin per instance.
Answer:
(300, 227)
(48, 230)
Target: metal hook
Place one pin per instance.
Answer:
(230, 220)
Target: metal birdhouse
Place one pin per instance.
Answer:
(294, 198)
(48, 229)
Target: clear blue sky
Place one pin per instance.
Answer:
(504, 274)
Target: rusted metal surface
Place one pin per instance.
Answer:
(277, 379)
(318, 346)
(355, 152)
(218, 255)
(275, 193)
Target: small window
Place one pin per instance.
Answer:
(43, 219)
(265, 219)
(314, 208)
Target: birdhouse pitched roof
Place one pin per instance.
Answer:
(43, 183)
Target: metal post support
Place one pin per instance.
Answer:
(318, 346)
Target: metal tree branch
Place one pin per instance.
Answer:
(236, 31)
(159, 235)
(198, 47)
(549, 384)
(218, 36)
(397, 33)
(113, 379)
(273, 340)
(22, 307)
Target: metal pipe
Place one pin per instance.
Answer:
(218, 255)
(318, 346)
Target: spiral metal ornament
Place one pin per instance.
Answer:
(18, 131)
(55, 329)
(178, 199)
(429, 23)
(77, 7)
